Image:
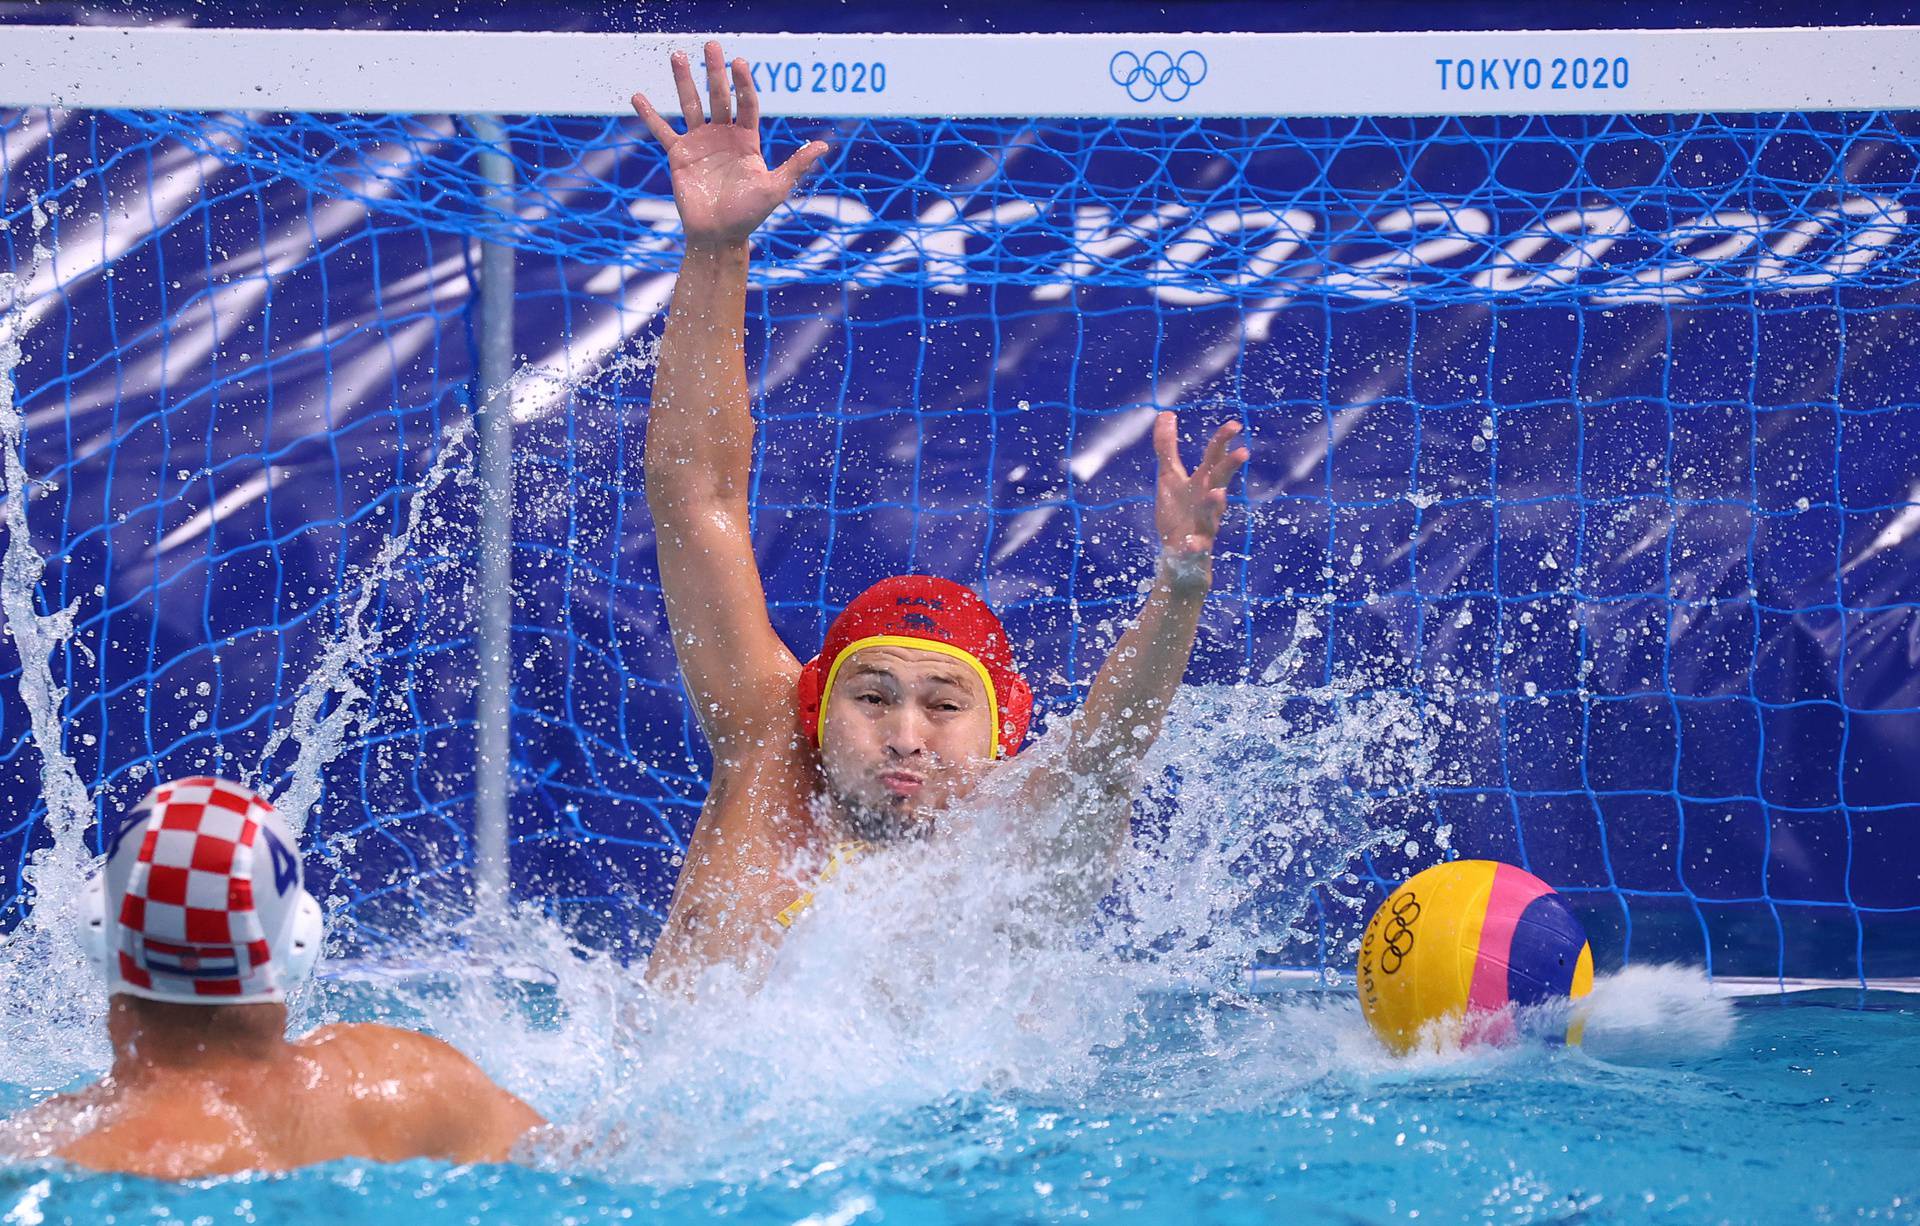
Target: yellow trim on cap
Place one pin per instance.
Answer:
(902, 640)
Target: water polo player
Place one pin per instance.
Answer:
(200, 922)
(915, 692)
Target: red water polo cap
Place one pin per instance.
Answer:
(931, 614)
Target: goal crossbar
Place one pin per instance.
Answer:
(975, 75)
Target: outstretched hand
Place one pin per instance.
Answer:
(1187, 506)
(720, 183)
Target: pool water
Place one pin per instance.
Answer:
(1803, 1108)
(948, 1036)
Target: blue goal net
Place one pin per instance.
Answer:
(1599, 436)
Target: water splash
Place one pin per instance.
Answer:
(45, 950)
(1668, 1010)
(322, 732)
(964, 967)
(935, 980)
(1274, 794)
(333, 707)
(332, 710)
(35, 635)
(928, 976)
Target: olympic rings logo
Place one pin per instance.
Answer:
(1397, 935)
(1158, 73)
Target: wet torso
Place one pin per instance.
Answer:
(756, 852)
(357, 1091)
(763, 844)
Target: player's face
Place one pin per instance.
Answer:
(907, 730)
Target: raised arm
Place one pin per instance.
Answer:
(1122, 715)
(1121, 718)
(699, 449)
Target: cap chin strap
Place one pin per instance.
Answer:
(305, 935)
(935, 645)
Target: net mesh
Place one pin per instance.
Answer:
(1593, 433)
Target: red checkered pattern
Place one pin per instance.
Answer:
(187, 921)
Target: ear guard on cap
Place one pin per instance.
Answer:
(93, 924)
(1016, 714)
(813, 679)
(305, 935)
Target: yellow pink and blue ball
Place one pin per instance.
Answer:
(1458, 948)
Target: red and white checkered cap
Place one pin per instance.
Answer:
(203, 899)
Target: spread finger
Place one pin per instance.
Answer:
(748, 96)
(656, 124)
(719, 98)
(689, 96)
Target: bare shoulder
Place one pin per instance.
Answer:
(167, 1134)
(762, 729)
(743, 866)
(425, 1065)
(431, 1097)
(757, 813)
(362, 1040)
(46, 1127)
